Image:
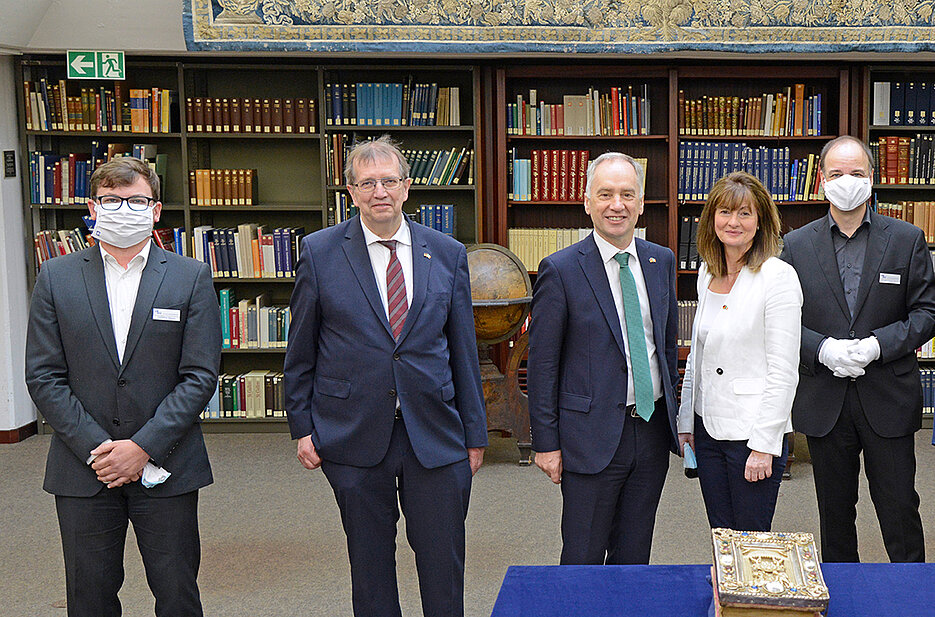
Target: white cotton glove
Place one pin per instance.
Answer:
(835, 354)
(865, 351)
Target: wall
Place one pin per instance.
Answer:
(16, 409)
(128, 25)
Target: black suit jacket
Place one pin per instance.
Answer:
(168, 374)
(900, 314)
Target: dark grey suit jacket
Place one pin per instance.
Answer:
(169, 369)
(899, 309)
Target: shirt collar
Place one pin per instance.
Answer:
(402, 235)
(608, 250)
(141, 258)
(834, 225)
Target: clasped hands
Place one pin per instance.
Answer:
(848, 357)
(118, 462)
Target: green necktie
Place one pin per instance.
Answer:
(639, 358)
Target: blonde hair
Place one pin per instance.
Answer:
(732, 192)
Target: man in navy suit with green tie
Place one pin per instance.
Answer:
(602, 373)
(383, 385)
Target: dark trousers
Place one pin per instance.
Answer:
(608, 517)
(94, 532)
(890, 464)
(729, 499)
(435, 504)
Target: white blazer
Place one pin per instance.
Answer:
(749, 366)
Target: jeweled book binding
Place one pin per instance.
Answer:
(768, 570)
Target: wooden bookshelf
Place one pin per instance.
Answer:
(292, 190)
(660, 145)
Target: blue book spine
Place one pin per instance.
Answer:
(224, 299)
(448, 219)
(437, 214)
(397, 104)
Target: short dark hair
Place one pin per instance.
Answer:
(381, 149)
(837, 141)
(731, 192)
(124, 171)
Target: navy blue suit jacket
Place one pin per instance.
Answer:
(577, 364)
(344, 371)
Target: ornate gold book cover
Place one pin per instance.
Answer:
(768, 569)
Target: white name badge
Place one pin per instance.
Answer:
(891, 279)
(167, 314)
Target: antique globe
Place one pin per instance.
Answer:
(500, 292)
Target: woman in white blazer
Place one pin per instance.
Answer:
(741, 374)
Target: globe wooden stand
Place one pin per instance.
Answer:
(507, 404)
(500, 295)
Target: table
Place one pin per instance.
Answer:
(857, 590)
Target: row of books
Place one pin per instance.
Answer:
(620, 111)
(65, 179)
(248, 250)
(787, 113)
(392, 104)
(919, 213)
(49, 107)
(532, 245)
(686, 319)
(688, 248)
(440, 217)
(548, 175)
(904, 159)
(256, 394)
(898, 103)
(251, 323)
(928, 390)
(50, 243)
(426, 167)
(551, 175)
(702, 163)
(342, 210)
(250, 115)
(222, 187)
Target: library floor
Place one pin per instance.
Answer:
(272, 543)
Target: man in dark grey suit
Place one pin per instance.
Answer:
(869, 296)
(122, 355)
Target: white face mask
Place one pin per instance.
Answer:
(123, 227)
(848, 192)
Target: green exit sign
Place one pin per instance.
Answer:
(96, 65)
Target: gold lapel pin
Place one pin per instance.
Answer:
(426, 255)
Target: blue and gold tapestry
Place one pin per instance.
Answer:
(590, 26)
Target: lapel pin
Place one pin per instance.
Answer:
(652, 260)
(426, 255)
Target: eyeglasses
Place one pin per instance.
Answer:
(368, 186)
(136, 203)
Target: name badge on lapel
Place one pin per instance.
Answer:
(160, 314)
(890, 279)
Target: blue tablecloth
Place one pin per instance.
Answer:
(857, 590)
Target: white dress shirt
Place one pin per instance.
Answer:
(380, 259)
(122, 287)
(612, 268)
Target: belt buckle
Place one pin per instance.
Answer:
(399, 414)
(631, 409)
